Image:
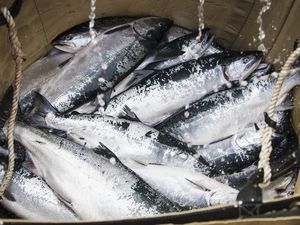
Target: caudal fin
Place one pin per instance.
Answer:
(41, 108)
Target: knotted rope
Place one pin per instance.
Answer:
(18, 57)
(266, 149)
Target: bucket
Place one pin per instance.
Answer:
(234, 24)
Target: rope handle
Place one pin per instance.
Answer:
(266, 149)
(18, 56)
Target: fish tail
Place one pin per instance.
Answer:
(41, 108)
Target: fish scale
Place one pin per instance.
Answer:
(96, 185)
(153, 100)
(98, 66)
(225, 113)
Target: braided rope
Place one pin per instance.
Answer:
(18, 57)
(266, 149)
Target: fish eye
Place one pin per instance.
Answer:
(68, 37)
(246, 60)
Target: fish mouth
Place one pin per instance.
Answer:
(65, 48)
(252, 68)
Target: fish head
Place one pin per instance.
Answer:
(151, 28)
(238, 66)
(71, 42)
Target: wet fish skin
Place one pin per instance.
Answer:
(225, 113)
(99, 66)
(281, 165)
(31, 198)
(38, 74)
(77, 37)
(119, 135)
(241, 150)
(96, 185)
(261, 70)
(152, 100)
(180, 50)
(187, 188)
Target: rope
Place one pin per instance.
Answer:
(18, 57)
(266, 149)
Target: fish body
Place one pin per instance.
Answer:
(31, 198)
(241, 150)
(92, 182)
(100, 65)
(78, 36)
(38, 74)
(280, 166)
(155, 99)
(178, 51)
(129, 140)
(185, 187)
(226, 113)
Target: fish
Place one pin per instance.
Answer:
(178, 51)
(100, 65)
(29, 197)
(226, 113)
(261, 70)
(279, 187)
(280, 166)
(77, 37)
(38, 74)
(185, 187)
(153, 100)
(241, 150)
(128, 140)
(92, 182)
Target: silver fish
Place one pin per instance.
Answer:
(129, 140)
(178, 51)
(226, 113)
(242, 149)
(157, 98)
(185, 187)
(29, 197)
(92, 182)
(78, 36)
(100, 65)
(39, 73)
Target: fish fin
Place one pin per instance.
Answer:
(40, 110)
(129, 115)
(271, 123)
(57, 132)
(62, 64)
(5, 106)
(106, 99)
(195, 183)
(9, 196)
(104, 151)
(256, 127)
(286, 104)
(28, 164)
(165, 54)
